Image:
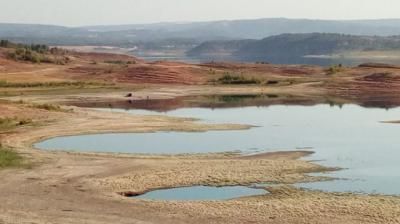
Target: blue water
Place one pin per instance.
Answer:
(290, 60)
(202, 193)
(349, 137)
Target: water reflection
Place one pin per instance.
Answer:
(287, 60)
(238, 100)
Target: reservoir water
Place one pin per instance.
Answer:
(349, 136)
(202, 193)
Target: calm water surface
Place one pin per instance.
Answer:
(350, 137)
(197, 193)
(289, 60)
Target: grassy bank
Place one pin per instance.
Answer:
(9, 158)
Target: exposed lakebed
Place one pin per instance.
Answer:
(349, 136)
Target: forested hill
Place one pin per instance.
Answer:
(223, 48)
(298, 45)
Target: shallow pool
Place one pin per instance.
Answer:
(202, 193)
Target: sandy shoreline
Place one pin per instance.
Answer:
(68, 187)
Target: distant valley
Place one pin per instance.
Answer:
(272, 40)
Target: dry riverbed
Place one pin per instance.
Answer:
(64, 187)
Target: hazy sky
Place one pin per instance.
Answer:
(96, 12)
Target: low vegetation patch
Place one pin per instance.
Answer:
(9, 158)
(120, 62)
(237, 98)
(9, 123)
(334, 69)
(49, 107)
(229, 79)
(272, 82)
(35, 53)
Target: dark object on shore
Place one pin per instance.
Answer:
(129, 95)
(130, 194)
(378, 65)
(272, 82)
(262, 62)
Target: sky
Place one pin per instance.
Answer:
(111, 12)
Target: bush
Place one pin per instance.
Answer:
(236, 80)
(9, 123)
(24, 122)
(272, 82)
(6, 123)
(6, 44)
(24, 54)
(35, 53)
(49, 107)
(334, 69)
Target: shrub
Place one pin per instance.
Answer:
(24, 122)
(236, 80)
(6, 123)
(49, 107)
(4, 43)
(272, 82)
(9, 123)
(24, 54)
(35, 53)
(334, 69)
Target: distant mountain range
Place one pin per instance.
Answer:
(277, 40)
(221, 48)
(261, 28)
(189, 34)
(295, 45)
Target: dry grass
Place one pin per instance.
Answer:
(10, 123)
(49, 107)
